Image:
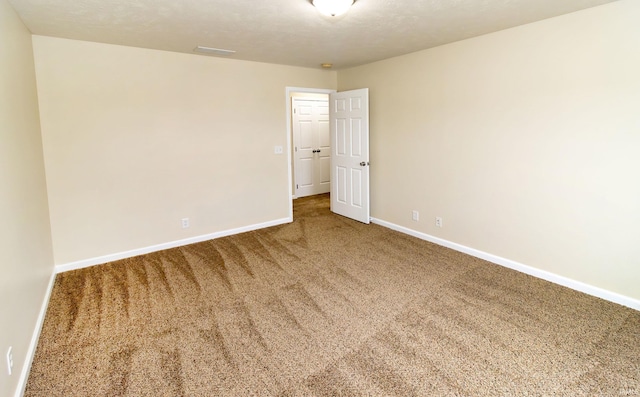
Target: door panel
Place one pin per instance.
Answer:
(306, 173)
(340, 186)
(356, 138)
(306, 135)
(304, 170)
(324, 134)
(356, 194)
(324, 156)
(349, 112)
(341, 137)
(325, 170)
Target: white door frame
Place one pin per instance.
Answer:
(288, 92)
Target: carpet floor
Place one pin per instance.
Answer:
(326, 306)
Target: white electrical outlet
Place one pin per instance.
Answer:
(185, 223)
(10, 359)
(278, 150)
(438, 221)
(415, 215)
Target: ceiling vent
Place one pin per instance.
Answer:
(213, 51)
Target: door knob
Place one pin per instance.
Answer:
(363, 163)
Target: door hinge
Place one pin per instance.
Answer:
(294, 110)
(296, 148)
(297, 187)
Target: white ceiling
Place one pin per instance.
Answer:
(288, 32)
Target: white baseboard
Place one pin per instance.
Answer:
(172, 244)
(31, 352)
(542, 274)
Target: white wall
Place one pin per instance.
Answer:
(135, 139)
(26, 261)
(525, 141)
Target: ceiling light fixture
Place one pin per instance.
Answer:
(333, 8)
(212, 51)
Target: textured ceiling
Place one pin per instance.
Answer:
(288, 32)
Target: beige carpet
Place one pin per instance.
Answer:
(327, 306)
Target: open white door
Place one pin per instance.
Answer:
(349, 116)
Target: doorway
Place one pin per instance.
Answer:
(311, 145)
(309, 168)
(349, 143)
